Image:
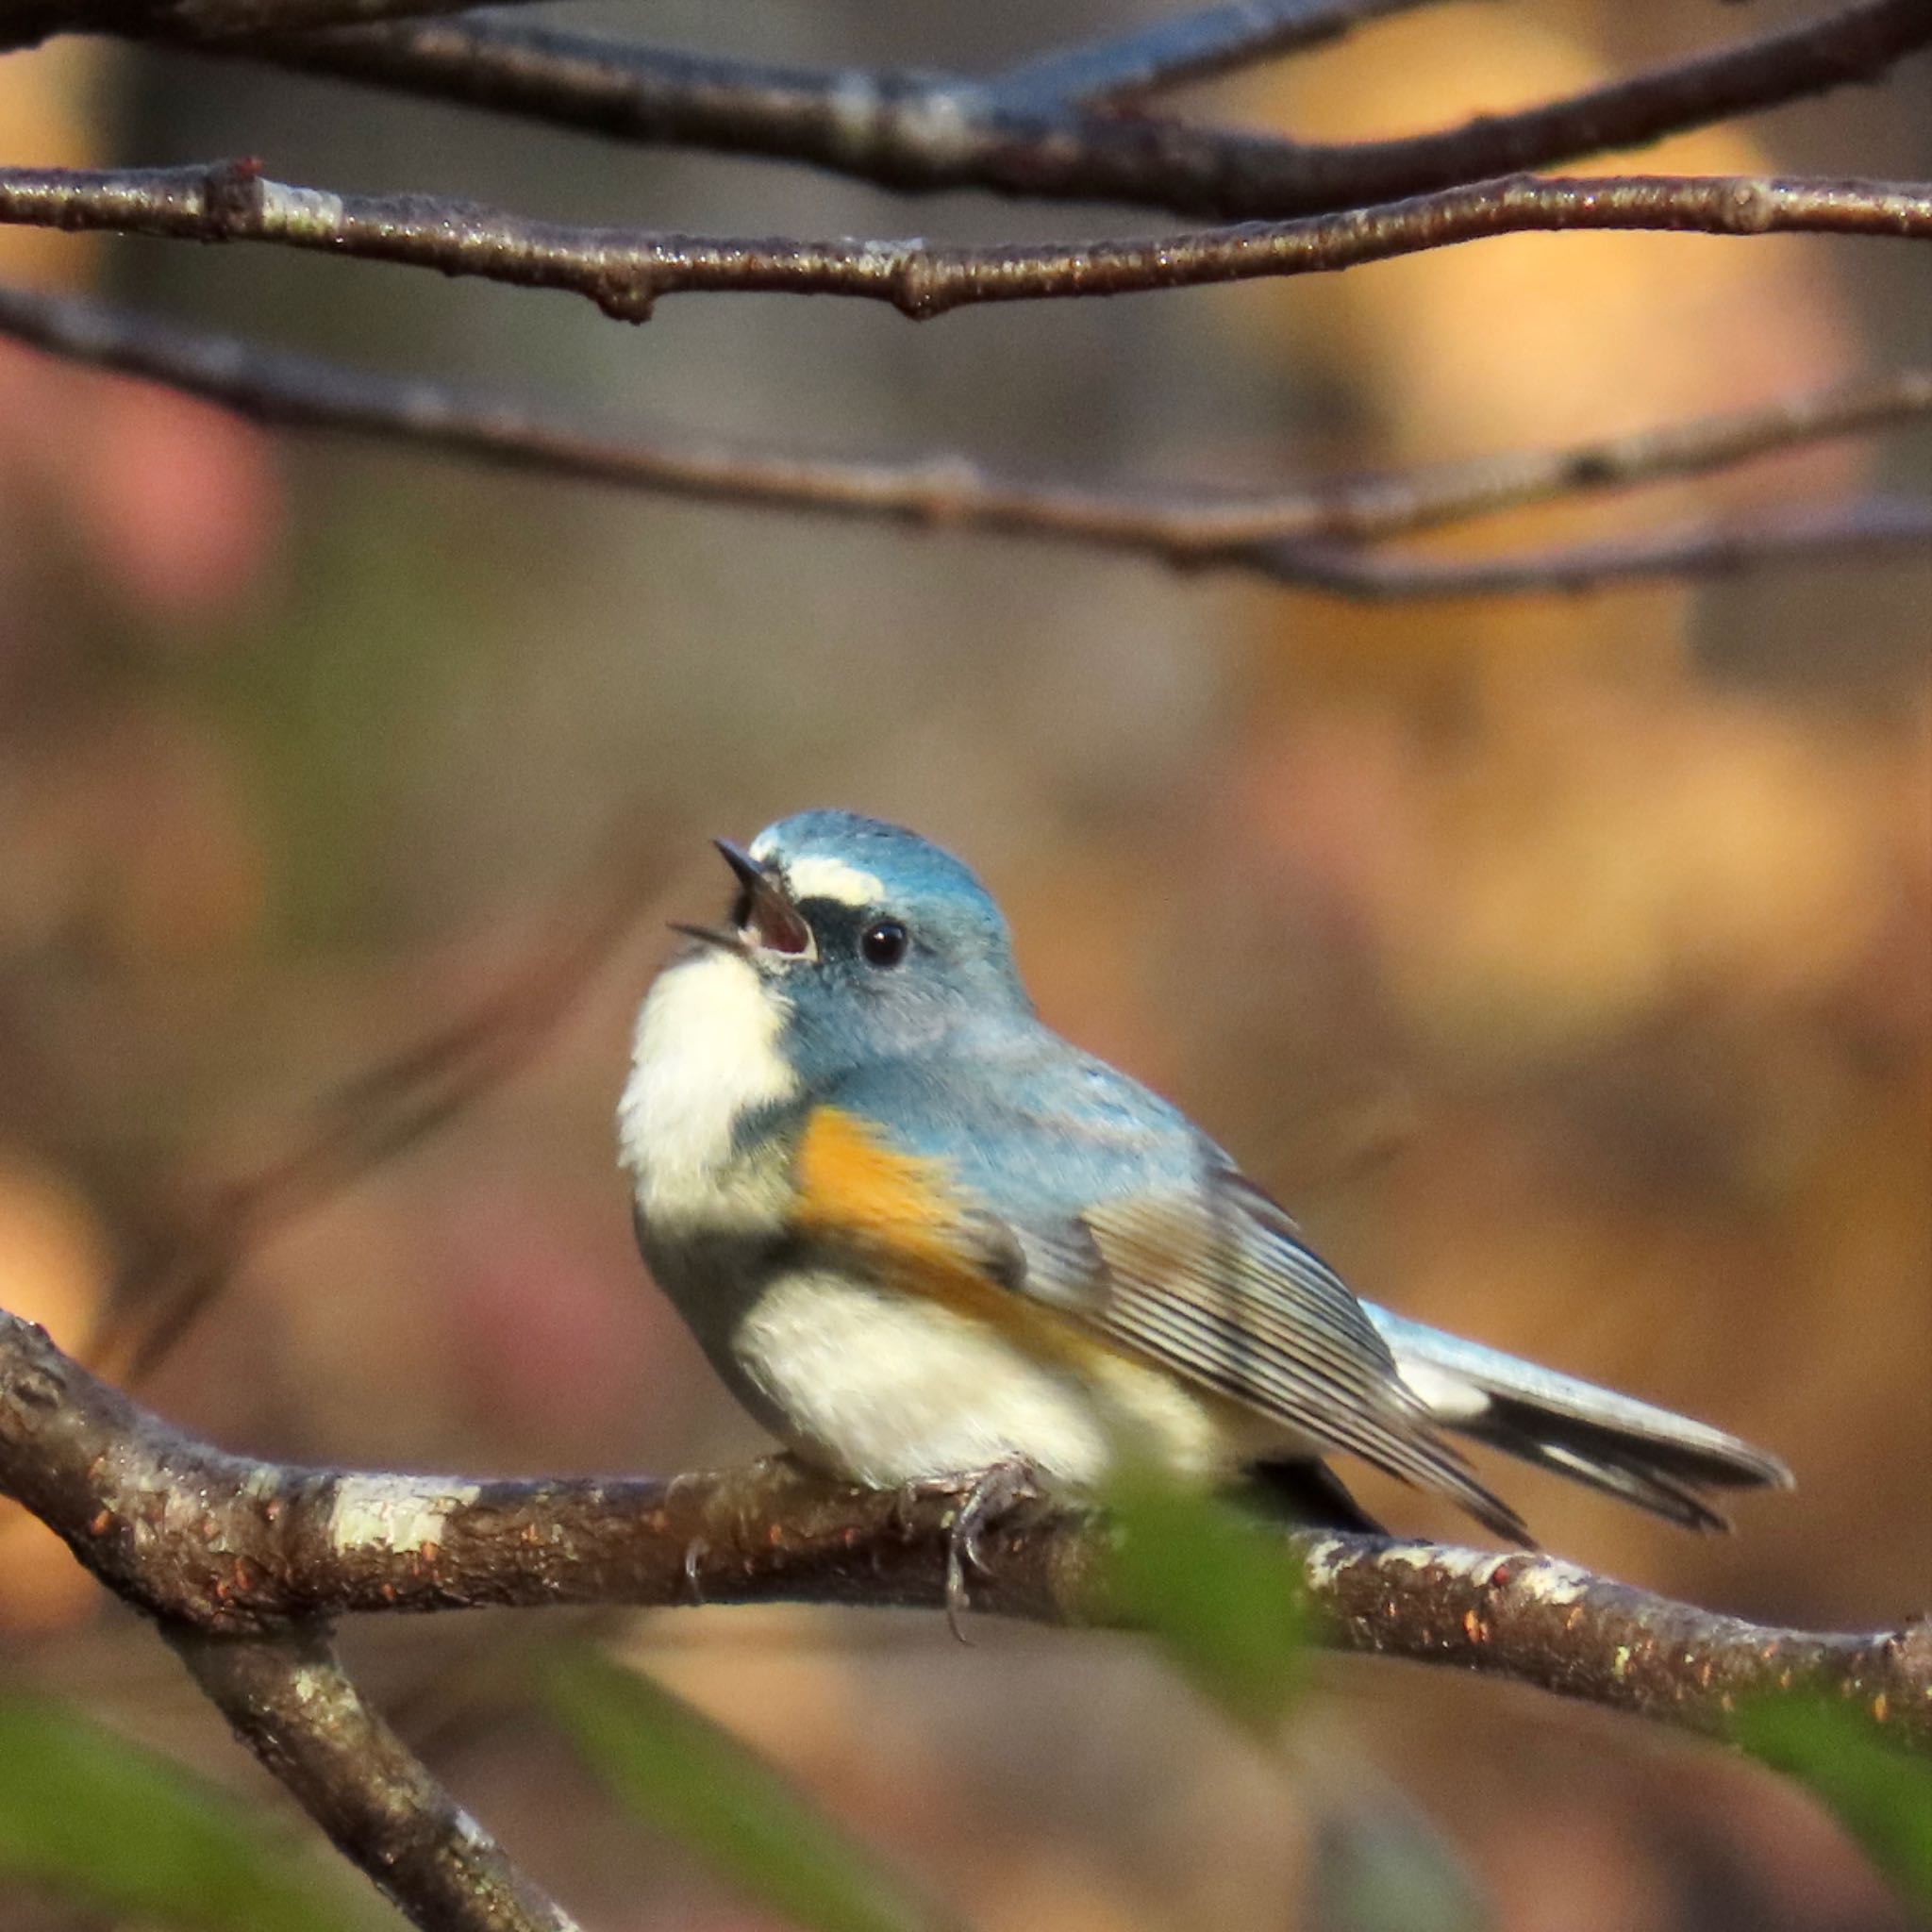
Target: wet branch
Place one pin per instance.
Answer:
(1313, 537)
(228, 1546)
(627, 271)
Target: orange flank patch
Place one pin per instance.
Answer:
(900, 1214)
(898, 1207)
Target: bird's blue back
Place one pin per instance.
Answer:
(1023, 1119)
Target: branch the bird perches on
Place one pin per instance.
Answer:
(242, 1564)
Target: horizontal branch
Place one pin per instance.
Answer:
(627, 271)
(1270, 533)
(917, 132)
(228, 1545)
(289, 1701)
(1186, 47)
(1808, 534)
(27, 23)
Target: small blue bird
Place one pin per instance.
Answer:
(924, 1238)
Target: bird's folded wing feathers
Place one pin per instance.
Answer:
(1199, 1273)
(1208, 1282)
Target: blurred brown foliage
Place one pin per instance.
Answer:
(1566, 965)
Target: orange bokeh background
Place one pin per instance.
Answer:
(1566, 965)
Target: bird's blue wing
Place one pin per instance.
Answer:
(1121, 1215)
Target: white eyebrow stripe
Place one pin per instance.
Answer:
(832, 878)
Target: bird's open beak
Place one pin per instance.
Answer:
(764, 917)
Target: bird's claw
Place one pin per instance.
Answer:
(694, 1554)
(983, 1496)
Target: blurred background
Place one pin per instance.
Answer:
(1566, 965)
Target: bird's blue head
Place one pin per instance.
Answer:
(874, 940)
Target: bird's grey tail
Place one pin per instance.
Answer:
(1662, 1462)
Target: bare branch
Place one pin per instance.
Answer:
(920, 133)
(230, 1546)
(1267, 532)
(1833, 532)
(627, 271)
(291, 1703)
(27, 23)
(172, 1278)
(1190, 47)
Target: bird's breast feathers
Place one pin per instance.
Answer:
(707, 1052)
(708, 1055)
(895, 1330)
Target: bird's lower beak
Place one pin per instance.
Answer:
(765, 916)
(711, 936)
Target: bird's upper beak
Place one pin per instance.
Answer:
(764, 918)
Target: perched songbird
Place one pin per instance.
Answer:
(921, 1235)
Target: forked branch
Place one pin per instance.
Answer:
(229, 1545)
(924, 132)
(289, 1701)
(1317, 536)
(241, 1564)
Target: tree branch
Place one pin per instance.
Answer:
(1833, 532)
(229, 1546)
(1271, 533)
(27, 23)
(191, 1255)
(627, 271)
(1187, 47)
(292, 1705)
(921, 133)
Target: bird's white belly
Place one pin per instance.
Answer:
(890, 1389)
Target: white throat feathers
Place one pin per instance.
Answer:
(706, 1053)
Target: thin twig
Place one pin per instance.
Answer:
(292, 1705)
(27, 23)
(1244, 531)
(627, 271)
(227, 1545)
(919, 132)
(1809, 534)
(173, 1278)
(1189, 47)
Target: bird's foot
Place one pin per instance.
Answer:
(982, 1497)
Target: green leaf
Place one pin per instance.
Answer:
(107, 1825)
(1380, 1865)
(679, 1772)
(1223, 1595)
(1881, 1796)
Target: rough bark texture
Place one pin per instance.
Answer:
(230, 1546)
(291, 1704)
(627, 272)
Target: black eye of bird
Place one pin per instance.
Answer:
(884, 942)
